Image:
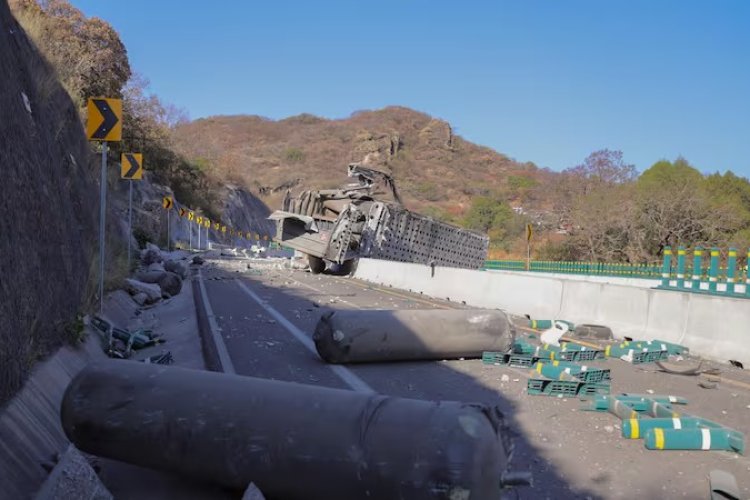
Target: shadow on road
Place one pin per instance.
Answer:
(263, 348)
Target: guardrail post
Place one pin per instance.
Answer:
(731, 269)
(697, 268)
(681, 266)
(666, 267)
(713, 270)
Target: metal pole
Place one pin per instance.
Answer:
(681, 252)
(199, 236)
(666, 267)
(130, 220)
(731, 269)
(168, 242)
(697, 268)
(190, 234)
(528, 255)
(102, 210)
(713, 270)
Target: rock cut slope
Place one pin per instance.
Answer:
(48, 197)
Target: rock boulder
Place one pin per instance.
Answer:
(134, 287)
(170, 284)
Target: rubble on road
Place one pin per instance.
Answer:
(119, 343)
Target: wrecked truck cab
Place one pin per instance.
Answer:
(339, 226)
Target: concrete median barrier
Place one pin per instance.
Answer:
(713, 327)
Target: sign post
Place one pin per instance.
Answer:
(104, 124)
(131, 169)
(529, 234)
(199, 221)
(191, 218)
(167, 203)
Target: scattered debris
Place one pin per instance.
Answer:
(504, 378)
(165, 358)
(666, 429)
(723, 486)
(552, 335)
(119, 343)
(736, 364)
(677, 369)
(598, 332)
(707, 385)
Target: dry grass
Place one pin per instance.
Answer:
(433, 167)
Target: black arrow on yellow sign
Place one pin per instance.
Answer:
(167, 202)
(104, 119)
(132, 166)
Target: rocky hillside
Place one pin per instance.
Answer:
(436, 170)
(48, 198)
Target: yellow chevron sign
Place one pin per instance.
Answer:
(131, 166)
(105, 119)
(183, 212)
(167, 202)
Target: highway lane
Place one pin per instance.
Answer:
(574, 454)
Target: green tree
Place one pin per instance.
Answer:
(495, 217)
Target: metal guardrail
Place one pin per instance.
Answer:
(645, 271)
(724, 276)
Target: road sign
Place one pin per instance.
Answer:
(131, 166)
(207, 223)
(223, 229)
(191, 216)
(199, 220)
(529, 232)
(183, 212)
(167, 202)
(249, 236)
(105, 119)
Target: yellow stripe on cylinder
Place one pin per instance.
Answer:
(634, 428)
(659, 435)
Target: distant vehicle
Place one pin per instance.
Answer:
(339, 226)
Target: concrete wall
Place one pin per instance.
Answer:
(713, 327)
(613, 280)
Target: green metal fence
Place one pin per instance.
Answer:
(710, 271)
(652, 271)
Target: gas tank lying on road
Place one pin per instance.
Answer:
(400, 335)
(342, 225)
(292, 441)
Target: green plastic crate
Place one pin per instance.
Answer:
(566, 388)
(510, 359)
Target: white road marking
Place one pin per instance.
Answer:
(342, 372)
(221, 347)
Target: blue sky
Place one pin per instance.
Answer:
(542, 81)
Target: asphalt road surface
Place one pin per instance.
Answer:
(267, 316)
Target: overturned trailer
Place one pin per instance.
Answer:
(341, 225)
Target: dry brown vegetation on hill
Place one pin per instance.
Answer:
(437, 171)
